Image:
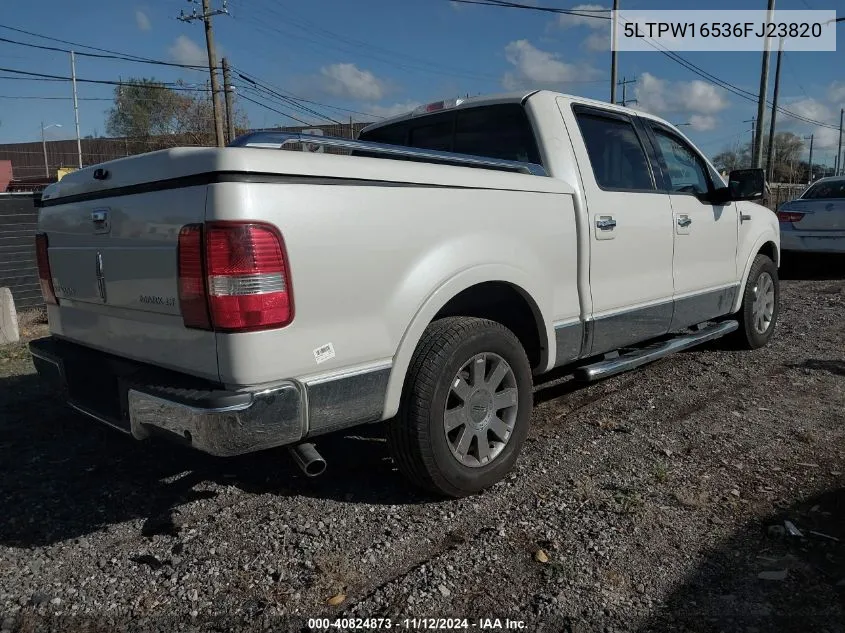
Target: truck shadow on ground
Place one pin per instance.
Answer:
(764, 579)
(812, 266)
(63, 476)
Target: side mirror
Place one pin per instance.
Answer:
(746, 184)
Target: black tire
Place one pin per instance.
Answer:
(748, 336)
(417, 436)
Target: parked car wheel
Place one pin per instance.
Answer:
(760, 305)
(465, 409)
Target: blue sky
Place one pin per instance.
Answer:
(383, 56)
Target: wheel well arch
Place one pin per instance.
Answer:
(498, 292)
(770, 250)
(507, 304)
(765, 246)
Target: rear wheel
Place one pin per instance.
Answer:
(465, 409)
(760, 305)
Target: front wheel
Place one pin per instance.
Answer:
(465, 409)
(760, 305)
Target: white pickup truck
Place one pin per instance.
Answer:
(246, 298)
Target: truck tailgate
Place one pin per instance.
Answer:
(115, 272)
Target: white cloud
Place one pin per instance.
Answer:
(392, 110)
(349, 81)
(825, 138)
(703, 122)
(185, 51)
(836, 92)
(142, 20)
(696, 100)
(598, 42)
(568, 20)
(534, 68)
(811, 109)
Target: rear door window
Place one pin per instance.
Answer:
(616, 153)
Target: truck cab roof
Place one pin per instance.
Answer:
(501, 98)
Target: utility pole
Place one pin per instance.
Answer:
(770, 166)
(75, 106)
(753, 139)
(757, 159)
(228, 91)
(44, 147)
(613, 52)
(810, 177)
(624, 83)
(206, 16)
(838, 162)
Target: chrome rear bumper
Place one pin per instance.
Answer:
(271, 418)
(140, 400)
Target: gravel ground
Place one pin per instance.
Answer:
(653, 501)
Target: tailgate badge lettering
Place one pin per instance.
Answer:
(101, 279)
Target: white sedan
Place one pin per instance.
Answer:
(815, 221)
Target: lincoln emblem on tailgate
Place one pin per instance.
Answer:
(101, 280)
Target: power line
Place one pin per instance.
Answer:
(75, 44)
(366, 48)
(667, 53)
(584, 13)
(39, 98)
(745, 94)
(285, 114)
(293, 97)
(101, 55)
(156, 86)
(284, 97)
(244, 90)
(9, 78)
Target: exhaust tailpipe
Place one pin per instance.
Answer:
(308, 459)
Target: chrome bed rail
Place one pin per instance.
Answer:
(277, 140)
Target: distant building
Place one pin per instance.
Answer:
(5, 174)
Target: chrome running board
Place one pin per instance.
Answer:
(637, 357)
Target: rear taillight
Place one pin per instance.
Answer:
(233, 277)
(789, 216)
(192, 296)
(44, 274)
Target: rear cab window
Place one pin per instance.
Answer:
(830, 189)
(500, 131)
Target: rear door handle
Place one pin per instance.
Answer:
(684, 221)
(606, 224)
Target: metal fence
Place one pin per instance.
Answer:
(782, 192)
(18, 270)
(28, 160)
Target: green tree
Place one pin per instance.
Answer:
(144, 108)
(151, 115)
(727, 161)
(785, 156)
